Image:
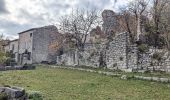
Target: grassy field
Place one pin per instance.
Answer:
(62, 84)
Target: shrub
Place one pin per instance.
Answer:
(3, 96)
(115, 65)
(35, 95)
(10, 61)
(3, 57)
(157, 56)
(143, 48)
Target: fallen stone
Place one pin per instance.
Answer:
(138, 77)
(164, 80)
(147, 78)
(155, 79)
(13, 92)
(100, 72)
(124, 77)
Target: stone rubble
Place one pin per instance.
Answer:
(124, 77)
(14, 93)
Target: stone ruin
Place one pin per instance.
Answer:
(114, 55)
(16, 67)
(13, 93)
(119, 53)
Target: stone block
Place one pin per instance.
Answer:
(147, 78)
(164, 80)
(157, 79)
(124, 77)
(13, 92)
(138, 77)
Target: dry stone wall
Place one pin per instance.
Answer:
(117, 54)
(146, 61)
(113, 55)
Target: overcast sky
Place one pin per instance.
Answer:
(20, 15)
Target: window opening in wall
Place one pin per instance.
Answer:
(30, 34)
(29, 55)
(12, 47)
(121, 58)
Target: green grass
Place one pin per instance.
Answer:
(62, 84)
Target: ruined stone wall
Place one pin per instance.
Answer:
(147, 62)
(91, 55)
(118, 54)
(109, 21)
(132, 57)
(70, 58)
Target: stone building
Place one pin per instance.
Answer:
(12, 47)
(34, 44)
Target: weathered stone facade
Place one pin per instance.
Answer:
(34, 45)
(121, 54)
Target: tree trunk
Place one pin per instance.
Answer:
(138, 28)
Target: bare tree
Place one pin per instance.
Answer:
(163, 22)
(158, 22)
(137, 7)
(128, 22)
(78, 24)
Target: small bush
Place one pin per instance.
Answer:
(3, 96)
(157, 56)
(115, 65)
(3, 57)
(9, 61)
(35, 95)
(143, 48)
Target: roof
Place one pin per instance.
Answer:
(13, 40)
(27, 30)
(50, 26)
(8, 42)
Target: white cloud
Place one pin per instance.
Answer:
(25, 14)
